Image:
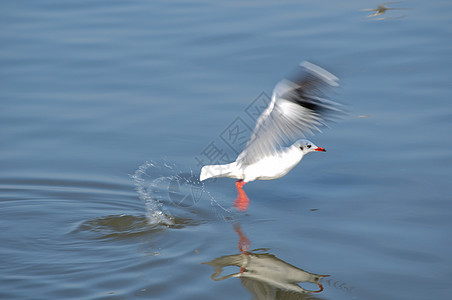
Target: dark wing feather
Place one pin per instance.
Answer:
(298, 107)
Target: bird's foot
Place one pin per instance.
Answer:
(242, 202)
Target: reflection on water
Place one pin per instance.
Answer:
(127, 226)
(120, 226)
(265, 275)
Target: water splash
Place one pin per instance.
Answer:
(151, 191)
(163, 185)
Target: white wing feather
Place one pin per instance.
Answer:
(297, 108)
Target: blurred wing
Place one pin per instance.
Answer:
(298, 107)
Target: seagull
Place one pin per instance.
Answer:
(298, 107)
(381, 9)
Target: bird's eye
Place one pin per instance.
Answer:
(301, 147)
(309, 146)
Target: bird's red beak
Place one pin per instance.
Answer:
(320, 149)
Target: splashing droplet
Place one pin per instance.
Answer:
(151, 189)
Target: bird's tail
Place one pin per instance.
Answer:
(213, 171)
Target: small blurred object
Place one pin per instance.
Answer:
(381, 9)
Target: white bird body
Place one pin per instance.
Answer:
(268, 168)
(273, 167)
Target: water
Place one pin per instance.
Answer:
(92, 92)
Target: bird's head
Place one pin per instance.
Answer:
(307, 146)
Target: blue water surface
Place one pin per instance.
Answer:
(108, 110)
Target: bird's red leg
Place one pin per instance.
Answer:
(242, 202)
(244, 244)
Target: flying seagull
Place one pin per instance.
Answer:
(382, 9)
(298, 107)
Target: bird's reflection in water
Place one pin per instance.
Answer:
(265, 275)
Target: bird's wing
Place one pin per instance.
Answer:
(297, 108)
